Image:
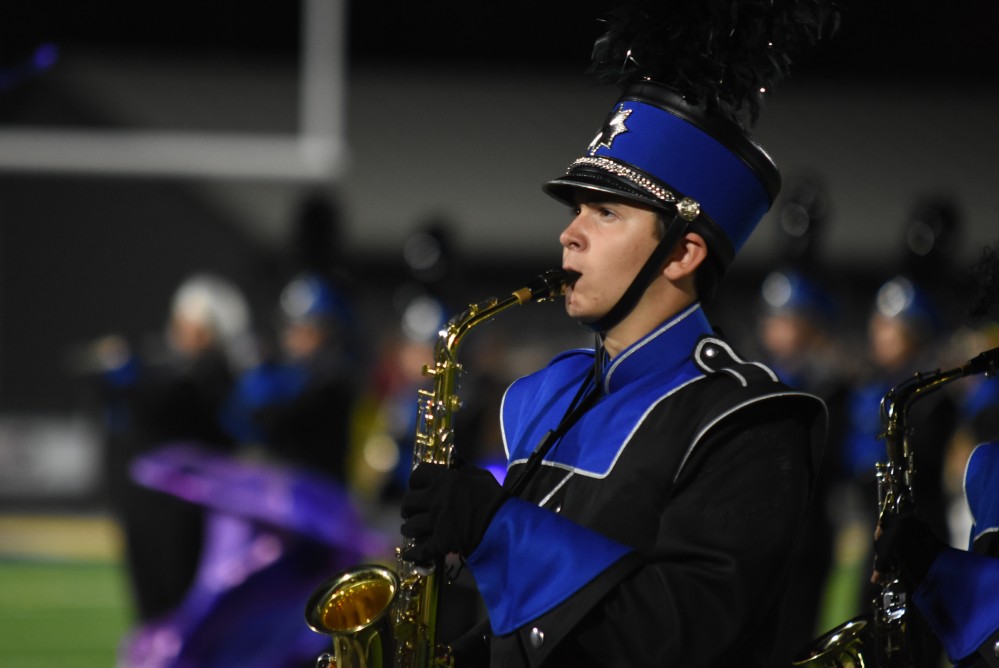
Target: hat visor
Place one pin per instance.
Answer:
(566, 189)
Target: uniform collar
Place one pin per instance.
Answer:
(664, 350)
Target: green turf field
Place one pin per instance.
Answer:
(63, 595)
(55, 614)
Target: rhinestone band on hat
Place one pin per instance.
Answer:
(687, 208)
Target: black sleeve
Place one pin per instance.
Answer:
(988, 651)
(725, 541)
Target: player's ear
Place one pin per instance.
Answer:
(686, 257)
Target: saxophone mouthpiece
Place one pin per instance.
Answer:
(550, 284)
(986, 362)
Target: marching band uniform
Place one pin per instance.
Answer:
(674, 493)
(657, 485)
(664, 495)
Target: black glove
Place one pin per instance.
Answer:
(448, 510)
(908, 543)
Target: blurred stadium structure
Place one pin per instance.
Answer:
(136, 149)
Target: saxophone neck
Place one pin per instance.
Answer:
(900, 396)
(896, 476)
(548, 285)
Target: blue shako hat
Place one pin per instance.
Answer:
(311, 297)
(793, 292)
(693, 75)
(907, 302)
(659, 150)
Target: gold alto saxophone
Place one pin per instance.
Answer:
(379, 618)
(883, 638)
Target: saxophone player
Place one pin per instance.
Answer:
(955, 590)
(657, 483)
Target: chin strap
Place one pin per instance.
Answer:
(674, 232)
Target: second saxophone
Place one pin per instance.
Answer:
(884, 638)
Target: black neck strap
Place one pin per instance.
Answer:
(586, 396)
(674, 232)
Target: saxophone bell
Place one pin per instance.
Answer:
(353, 608)
(843, 647)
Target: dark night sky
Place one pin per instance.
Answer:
(884, 38)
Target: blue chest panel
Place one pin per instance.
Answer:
(632, 384)
(980, 488)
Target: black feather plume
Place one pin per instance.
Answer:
(719, 54)
(986, 284)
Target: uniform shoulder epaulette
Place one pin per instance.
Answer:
(716, 357)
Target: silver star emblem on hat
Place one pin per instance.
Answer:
(611, 130)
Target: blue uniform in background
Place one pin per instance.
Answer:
(960, 595)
